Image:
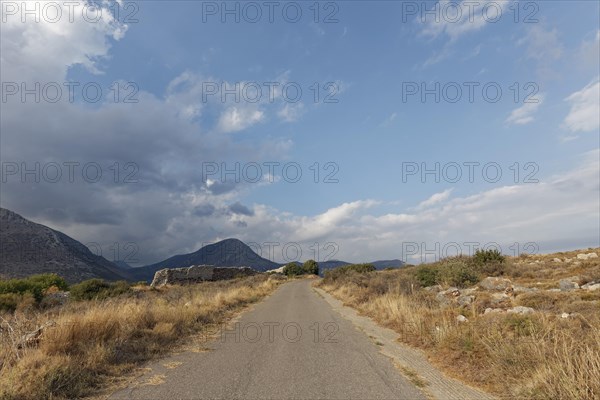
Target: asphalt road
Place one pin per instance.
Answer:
(292, 345)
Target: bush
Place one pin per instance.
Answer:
(339, 272)
(311, 267)
(488, 256)
(293, 269)
(427, 276)
(98, 289)
(36, 285)
(9, 301)
(458, 274)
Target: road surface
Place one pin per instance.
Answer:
(292, 345)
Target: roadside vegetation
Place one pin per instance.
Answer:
(74, 345)
(310, 267)
(524, 327)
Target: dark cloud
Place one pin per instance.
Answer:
(240, 209)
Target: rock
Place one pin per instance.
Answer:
(198, 273)
(520, 310)
(583, 256)
(565, 315)
(568, 260)
(568, 284)
(462, 318)
(557, 260)
(465, 300)
(492, 283)
(523, 289)
(445, 296)
(32, 339)
(591, 286)
(493, 311)
(498, 298)
(434, 288)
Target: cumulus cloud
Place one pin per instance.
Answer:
(43, 51)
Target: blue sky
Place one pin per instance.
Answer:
(371, 55)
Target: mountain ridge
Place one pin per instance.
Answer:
(29, 248)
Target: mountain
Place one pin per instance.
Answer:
(383, 264)
(122, 264)
(27, 248)
(226, 253)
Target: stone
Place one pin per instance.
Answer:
(591, 286)
(498, 298)
(32, 339)
(583, 256)
(557, 260)
(434, 288)
(493, 311)
(492, 283)
(520, 310)
(462, 318)
(198, 273)
(465, 300)
(523, 289)
(565, 315)
(568, 284)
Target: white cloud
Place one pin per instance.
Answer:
(542, 45)
(43, 51)
(525, 114)
(584, 115)
(457, 18)
(291, 112)
(237, 118)
(435, 199)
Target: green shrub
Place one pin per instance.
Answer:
(293, 269)
(458, 274)
(488, 256)
(427, 276)
(311, 267)
(339, 272)
(36, 285)
(98, 289)
(9, 301)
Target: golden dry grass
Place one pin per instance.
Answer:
(535, 356)
(95, 341)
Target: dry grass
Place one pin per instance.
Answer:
(95, 341)
(535, 356)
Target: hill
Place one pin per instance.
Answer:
(28, 248)
(226, 253)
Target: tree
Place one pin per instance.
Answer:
(293, 269)
(311, 267)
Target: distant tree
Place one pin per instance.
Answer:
(311, 267)
(293, 269)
